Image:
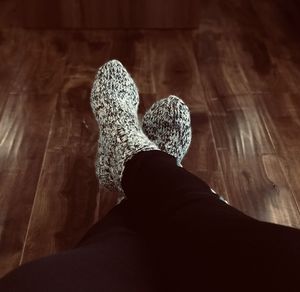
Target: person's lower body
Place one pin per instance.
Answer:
(202, 243)
(171, 233)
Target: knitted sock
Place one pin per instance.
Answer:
(168, 124)
(114, 101)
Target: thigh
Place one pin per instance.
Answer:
(112, 257)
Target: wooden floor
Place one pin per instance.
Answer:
(239, 73)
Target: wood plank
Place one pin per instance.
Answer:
(268, 70)
(241, 132)
(25, 123)
(135, 56)
(67, 194)
(46, 77)
(282, 110)
(11, 59)
(36, 63)
(174, 68)
(260, 189)
(202, 158)
(175, 71)
(242, 63)
(23, 140)
(266, 64)
(254, 176)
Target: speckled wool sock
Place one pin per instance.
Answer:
(114, 101)
(168, 124)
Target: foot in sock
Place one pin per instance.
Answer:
(114, 101)
(168, 124)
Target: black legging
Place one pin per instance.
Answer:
(170, 234)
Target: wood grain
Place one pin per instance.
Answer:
(25, 124)
(242, 136)
(66, 200)
(282, 112)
